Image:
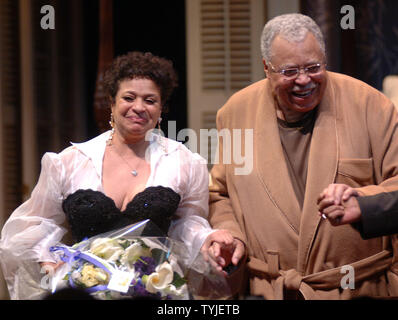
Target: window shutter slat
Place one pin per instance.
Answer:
(225, 35)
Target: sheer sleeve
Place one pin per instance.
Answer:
(34, 226)
(192, 226)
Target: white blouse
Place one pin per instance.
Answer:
(36, 225)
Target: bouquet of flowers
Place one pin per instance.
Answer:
(123, 264)
(120, 255)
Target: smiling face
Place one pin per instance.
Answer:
(296, 96)
(136, 109)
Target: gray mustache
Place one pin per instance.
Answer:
(305, 88)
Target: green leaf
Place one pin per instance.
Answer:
(158, 255)
(178, 281)
(118, 262)
(124, 244)
(142, 243)
(108, 295)
(144, 278)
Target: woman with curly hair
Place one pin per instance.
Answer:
(124, 175)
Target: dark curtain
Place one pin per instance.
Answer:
(157, 27)
(368, 52)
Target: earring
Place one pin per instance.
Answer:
(111, 123)
(159, 121)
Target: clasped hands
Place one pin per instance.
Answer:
(339, 205)
(221, 249)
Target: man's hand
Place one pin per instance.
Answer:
(220, 249)
(339, 205)
(335, 194)
(349, 212)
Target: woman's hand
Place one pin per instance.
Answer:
(348, 212)
(339, 205)
(221, 248)
(50, 267)
(335, 194)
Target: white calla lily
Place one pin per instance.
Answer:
(172, 290)
(160, 279)
(106, 248)
(133, 253)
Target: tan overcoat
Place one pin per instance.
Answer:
(355, 142)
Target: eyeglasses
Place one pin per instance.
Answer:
(293, 73)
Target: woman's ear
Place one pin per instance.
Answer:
(111, 102)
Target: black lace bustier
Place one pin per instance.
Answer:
(91, 212)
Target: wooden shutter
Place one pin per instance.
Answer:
(225, 38)
(223, 55)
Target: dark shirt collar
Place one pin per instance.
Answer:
(304, 125)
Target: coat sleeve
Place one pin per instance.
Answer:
(221, 211)
(382, 124)
(379, 215)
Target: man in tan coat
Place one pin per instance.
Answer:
(311, 128)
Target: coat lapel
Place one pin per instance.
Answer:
(270, 161)
(273, 172)
(322, 168)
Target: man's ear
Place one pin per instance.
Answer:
(265, 67)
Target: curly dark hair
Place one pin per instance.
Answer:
(141, 65)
